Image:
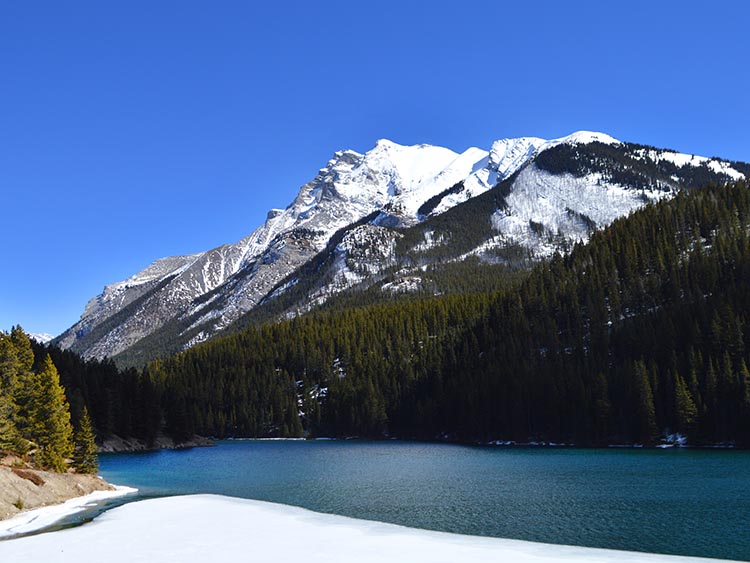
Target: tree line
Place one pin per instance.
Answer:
(640, 334)
(35, 417)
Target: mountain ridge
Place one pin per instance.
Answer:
(543, 211)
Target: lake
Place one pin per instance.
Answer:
(677, 501)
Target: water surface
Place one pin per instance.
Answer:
(687, 502)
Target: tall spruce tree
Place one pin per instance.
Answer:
(24, 379)
(49, 417)
(9, 365)
(15, 370)
(686, 412)
(85, 459)
(9, 437)
(645, 416)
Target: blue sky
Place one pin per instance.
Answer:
(135, 130)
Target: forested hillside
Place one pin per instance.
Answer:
(641, 332)
(120, 402)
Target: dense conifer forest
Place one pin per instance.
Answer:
(641, 333)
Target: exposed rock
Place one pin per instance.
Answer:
(115, 444)
(525, 195)
(19, 488)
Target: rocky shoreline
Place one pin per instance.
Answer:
(116, 444)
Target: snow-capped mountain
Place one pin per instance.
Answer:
(389, 210)
(41, 337)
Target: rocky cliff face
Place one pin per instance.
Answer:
(395, 208)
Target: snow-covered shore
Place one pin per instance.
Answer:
(211, 527)
(33, 520)
(24, 488)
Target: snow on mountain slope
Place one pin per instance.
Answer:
(462, 166)
(352, 186)
(505, 157)
(363, 253)
(194, 297)
(565, 206)
(547, 211)
(119, 295)
(41, 337)
(581, 138)
(543, 208)
(367, 250)
(348, 188)
(716, 165)
(540, 211)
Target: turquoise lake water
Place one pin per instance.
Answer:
(687, 502)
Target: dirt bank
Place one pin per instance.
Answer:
(24, 489)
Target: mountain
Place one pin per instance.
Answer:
(640, 336)
(393, 220)
(42, 337)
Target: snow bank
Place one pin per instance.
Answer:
(33, 520)
(215, 528)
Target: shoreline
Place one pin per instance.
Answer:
(116, 444)
(197, 527)
(24, 488)
(36, 519)
(492, 443)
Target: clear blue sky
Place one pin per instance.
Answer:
(132, 130)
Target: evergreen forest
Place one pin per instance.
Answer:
(640, 334)
(35, 418)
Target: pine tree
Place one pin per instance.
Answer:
(24, 379)
(685, 410)
(13, 366)
(645, 416)
(744, 410)
(49, 417)
(23, 348)
(743, 376)
(85, 459)
(602, 408)
(9, 366)
(9, 437)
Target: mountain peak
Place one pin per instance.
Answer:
(41, 338)
(506, 155)
(391, 146)
(541, 210)
(387, 144)
(585, 137)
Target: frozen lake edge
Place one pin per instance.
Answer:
(192, 527)
(39, 518)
